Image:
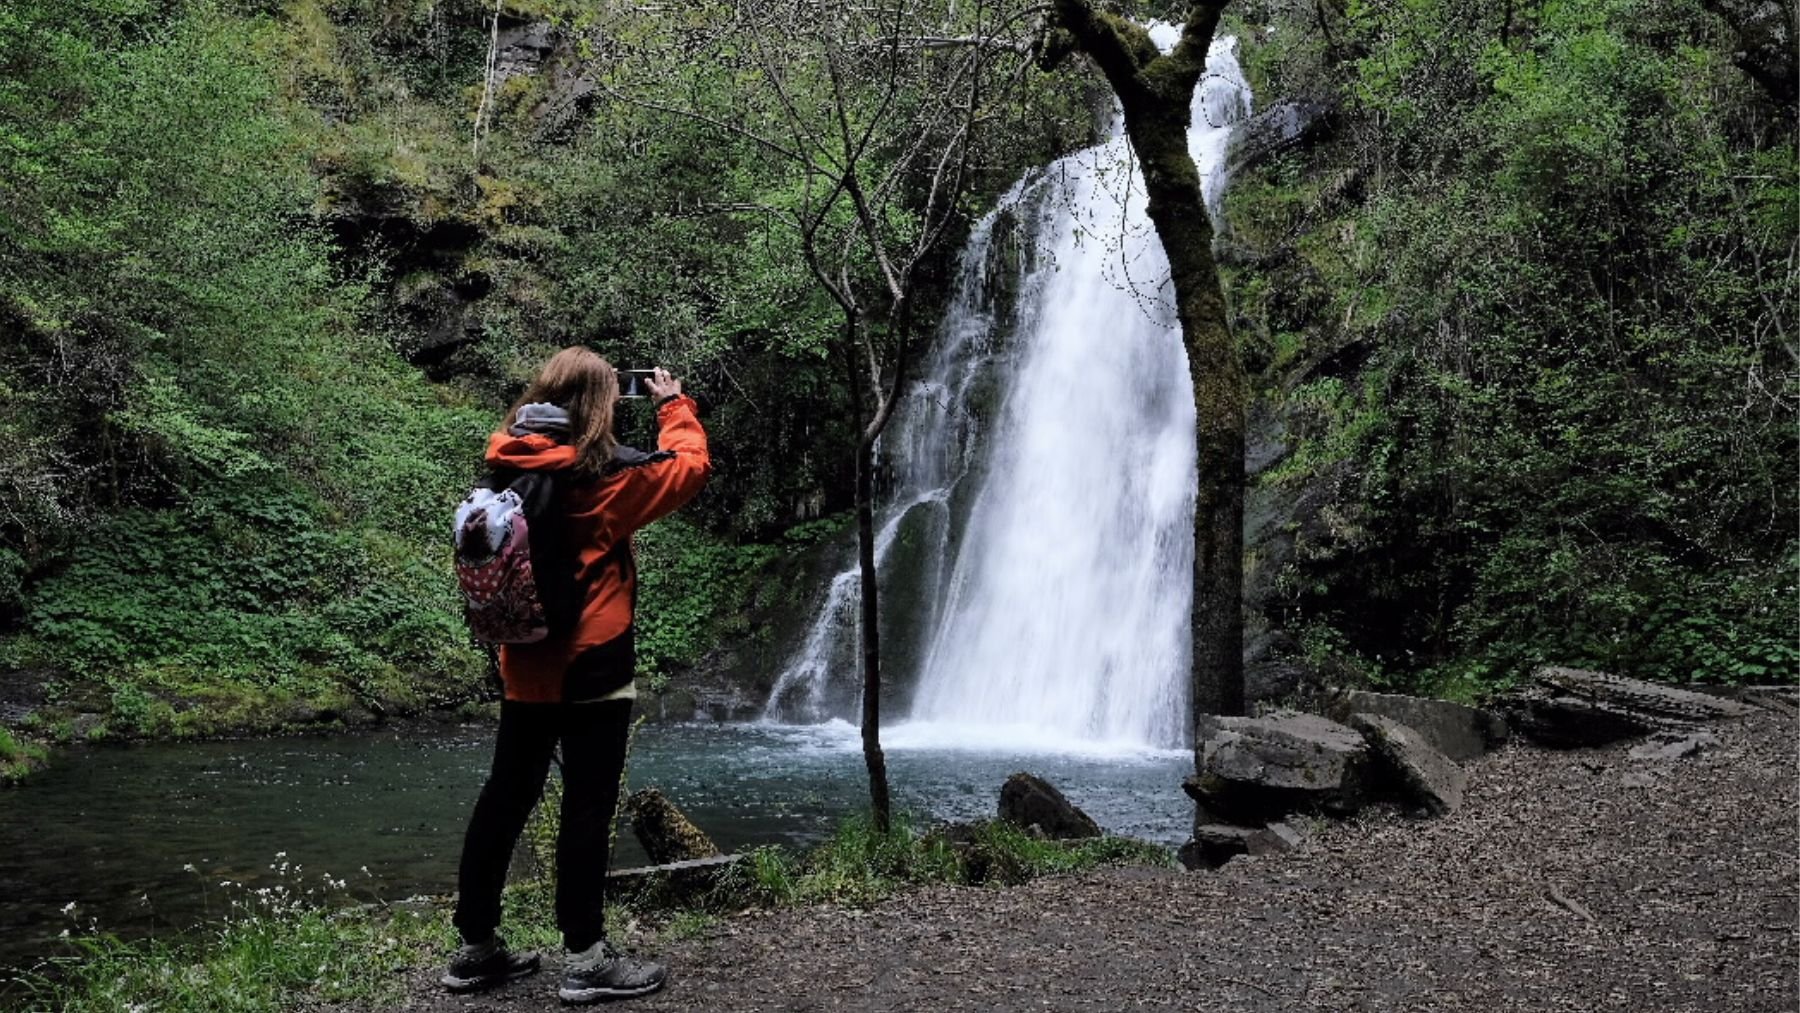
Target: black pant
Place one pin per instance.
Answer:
(593, 737)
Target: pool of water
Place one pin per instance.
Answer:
(140, 839)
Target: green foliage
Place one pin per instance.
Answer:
(1562, 239)
(691, 586)
(229, 491)
(252, 591)
(224, 490)
(276, 947)
(859, 865)
(1005, 854)
(690, 924)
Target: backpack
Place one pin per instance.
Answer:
(513, 561)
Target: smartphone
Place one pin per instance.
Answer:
(633, 382)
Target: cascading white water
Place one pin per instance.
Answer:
(929, 438)
(1066, 577)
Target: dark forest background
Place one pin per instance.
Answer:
(1519, 305)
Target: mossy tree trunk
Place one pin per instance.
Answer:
(1156, 92)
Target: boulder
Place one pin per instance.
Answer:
(1425, 775)
(1459, 732)
(1030, 801)
(1571, 707)
(664, 830)
(1253, 770)
(1214, 844)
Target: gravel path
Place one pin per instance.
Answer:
(1568, 881)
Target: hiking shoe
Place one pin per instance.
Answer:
(601, 972)
(483, 965)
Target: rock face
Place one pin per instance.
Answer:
(1279, 128)
(1028, 800)
(1425, 775)
(1571, 707)
(666, 833)
(1460, 733)
(538, 48)
(1253, 770)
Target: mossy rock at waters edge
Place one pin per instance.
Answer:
(19, 756)
(1032, 803)
(664, 830)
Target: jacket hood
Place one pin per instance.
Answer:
(536, 441)
(530, 452)
(541, 417)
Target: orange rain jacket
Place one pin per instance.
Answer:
(602, 513)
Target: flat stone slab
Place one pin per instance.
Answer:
(1646, 698)
(710, 865)
(1571, 707)
(1459, 732)
(1426, 776)
(1253, 770)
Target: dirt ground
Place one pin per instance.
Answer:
(1580, 880)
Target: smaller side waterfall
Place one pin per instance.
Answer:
(1052, 508)
(931, 442)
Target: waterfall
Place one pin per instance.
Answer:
(931, 439)
(1045, 467)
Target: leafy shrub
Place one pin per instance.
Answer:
(1551, 234)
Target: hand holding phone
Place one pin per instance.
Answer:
(656, 383)
(662, 385)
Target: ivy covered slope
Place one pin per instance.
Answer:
(262, 296)
(1525, 303)
(221, 486)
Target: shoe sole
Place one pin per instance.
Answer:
(581, 996)
(460, 986)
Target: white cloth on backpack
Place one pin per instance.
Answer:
(493, 513)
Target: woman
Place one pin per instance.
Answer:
(575, 687)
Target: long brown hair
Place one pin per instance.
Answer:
(586, 386)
